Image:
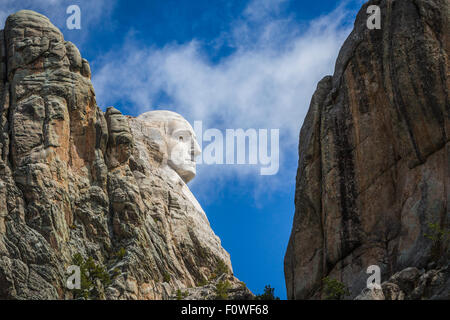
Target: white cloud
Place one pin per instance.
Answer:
(267, 82)
(258, 85)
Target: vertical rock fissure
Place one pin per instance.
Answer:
(7, 89)
(428, 81)
(396, 84)
(4, 58)
(320, 213)
(350, 219)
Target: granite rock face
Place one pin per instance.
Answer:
(373, 174)
(77, 182)
(221, 288)
(412, 284)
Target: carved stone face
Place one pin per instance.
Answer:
(180, 141)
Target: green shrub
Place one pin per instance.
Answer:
(222, 288)
(440, 238)
(91, 274)
(437, 233)
(120, 253)
(221, 268)
(203, 253)
(166, 277)
(181, 295)
(267, 295)
(116, 272)
(202, 283)
(334, 289)
(212, 276)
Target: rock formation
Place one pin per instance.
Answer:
(412, 284)
(373, 174)
(98, 190)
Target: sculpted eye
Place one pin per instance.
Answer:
(180, 138)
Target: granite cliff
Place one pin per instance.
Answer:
(82, 187)
(373, 175)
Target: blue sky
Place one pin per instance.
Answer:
(231, 64)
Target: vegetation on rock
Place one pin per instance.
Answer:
(222, 288)
(269, 294)
(440, 238)
(94, 278)
(334, 289)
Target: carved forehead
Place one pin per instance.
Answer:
(170, 120)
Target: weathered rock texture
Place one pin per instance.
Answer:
(412, 284)
(374, 150)
(74, 180)
(235, 290)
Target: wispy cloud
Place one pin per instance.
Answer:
(267, 82)
(270, 75)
